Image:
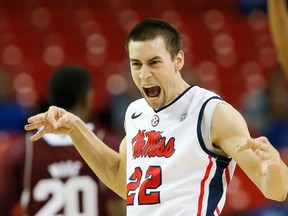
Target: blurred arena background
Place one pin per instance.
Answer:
(227, 44)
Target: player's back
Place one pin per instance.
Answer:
(58, 181)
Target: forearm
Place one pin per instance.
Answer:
(278, 21)
(275, 182)
(105, 162)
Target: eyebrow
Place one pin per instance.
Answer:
(150, 60)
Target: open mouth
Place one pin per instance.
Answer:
(153, 91)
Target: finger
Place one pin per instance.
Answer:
(33, 126)
(257, 144)
(243, 146)
(37, 118)
(264, 168)
(262, 154)
(66, 121)
(38, 135)
(267, 148)
(63, 121)
(253, 144)
(51, 115)
(264, 141)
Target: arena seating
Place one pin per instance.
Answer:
(36, 36)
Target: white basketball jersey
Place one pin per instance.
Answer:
(172, 166)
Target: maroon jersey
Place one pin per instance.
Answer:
(51, 178)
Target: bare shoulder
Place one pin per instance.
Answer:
(225, 116)
(227, 123)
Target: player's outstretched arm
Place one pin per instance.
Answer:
(268, 172)
(278, 21)
(107, 164)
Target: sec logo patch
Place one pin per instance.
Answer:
(155, 120)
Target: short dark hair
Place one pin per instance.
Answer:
(69, 85)
(151, 28)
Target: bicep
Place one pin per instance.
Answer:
(228, 123)
(122, 153)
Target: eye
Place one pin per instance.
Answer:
(135, 64)
(155, 63)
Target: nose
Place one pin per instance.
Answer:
(145, 72)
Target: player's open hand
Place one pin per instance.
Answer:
(264, 150)
(56, 120)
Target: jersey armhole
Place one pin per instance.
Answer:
(204, 128)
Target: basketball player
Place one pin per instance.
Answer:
(49, 175)
(179, 152)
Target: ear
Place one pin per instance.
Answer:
(179, 60)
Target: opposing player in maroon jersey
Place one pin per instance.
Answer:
(49, 177)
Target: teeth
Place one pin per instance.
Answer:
(149, 86)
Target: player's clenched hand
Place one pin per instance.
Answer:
(264, 150)
(56, 120)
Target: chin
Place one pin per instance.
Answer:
(155, 105)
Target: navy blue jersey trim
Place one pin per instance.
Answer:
(216, 190)
(176, 99)
(199, 132)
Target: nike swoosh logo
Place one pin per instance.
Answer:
(134, 116)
